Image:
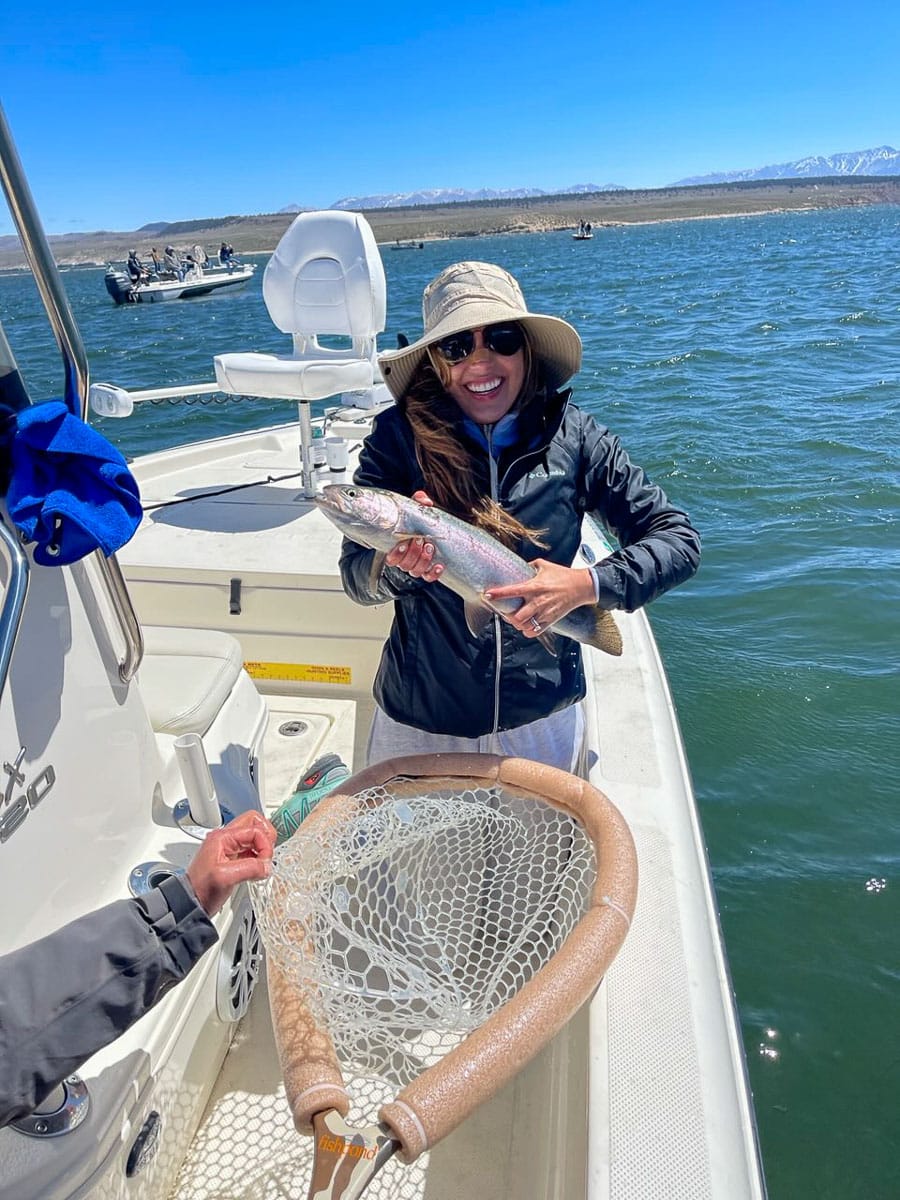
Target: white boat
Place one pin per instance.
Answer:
(225, 617)
(198, 280)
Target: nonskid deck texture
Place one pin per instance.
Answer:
(259, 521)
(642, 1097)
(247, 1147)
(266, 521)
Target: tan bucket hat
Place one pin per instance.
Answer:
(469, 295)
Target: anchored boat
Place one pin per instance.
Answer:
(224, 618)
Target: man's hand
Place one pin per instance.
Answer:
(239, 851)
(415, 555)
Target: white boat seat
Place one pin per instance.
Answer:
(285, 378)
(325, 279)
(186, 676)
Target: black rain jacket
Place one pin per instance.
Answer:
(433, 674)
(66, 996)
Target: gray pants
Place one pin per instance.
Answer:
(557, 740)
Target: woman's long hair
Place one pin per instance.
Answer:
(442, 455)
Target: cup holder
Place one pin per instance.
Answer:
(147, 875)
(61, 1112)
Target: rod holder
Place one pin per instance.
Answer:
(198, 784)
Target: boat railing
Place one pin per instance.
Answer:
(109, 400)
(13, 600)
(77, 375)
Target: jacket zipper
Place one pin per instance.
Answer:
(488, 431)
(539, 450)
(492, 470)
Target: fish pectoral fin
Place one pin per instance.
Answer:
(414, 529)
(477, 617)
(375, 570)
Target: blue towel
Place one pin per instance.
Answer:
(70, 490)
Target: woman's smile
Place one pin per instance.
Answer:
(489, 385)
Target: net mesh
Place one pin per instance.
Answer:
(408, 914)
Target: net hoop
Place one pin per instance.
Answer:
(427, 1109)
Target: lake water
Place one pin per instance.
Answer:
(752, 366)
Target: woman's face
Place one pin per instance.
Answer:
(486, 384)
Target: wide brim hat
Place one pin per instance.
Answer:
(470, 295)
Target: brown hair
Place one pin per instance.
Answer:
(442, 456)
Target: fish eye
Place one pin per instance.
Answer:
(351, 492)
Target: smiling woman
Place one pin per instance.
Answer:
(483, 430)
(483, 369)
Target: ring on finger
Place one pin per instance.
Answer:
(536, 625)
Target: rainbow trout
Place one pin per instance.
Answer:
(473, 561)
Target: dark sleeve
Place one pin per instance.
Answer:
(658, 545)
(384, 462)
(64, 997)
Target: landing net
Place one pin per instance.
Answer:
(409, 913)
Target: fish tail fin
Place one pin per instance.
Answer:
(605, 634)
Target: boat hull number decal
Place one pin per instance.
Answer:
(19, 797)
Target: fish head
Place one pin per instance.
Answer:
(368, 516)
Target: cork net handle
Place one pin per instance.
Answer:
(447, 1092)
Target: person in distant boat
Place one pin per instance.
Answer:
(172, 260)
(587, 227)
(483, 427)
(226, 255)
(135, 268)
(157, 264)
(66, 996)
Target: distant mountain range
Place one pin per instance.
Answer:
(880, 162)
(457, 196)
(884, 160)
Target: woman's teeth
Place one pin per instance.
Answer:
(488, 386)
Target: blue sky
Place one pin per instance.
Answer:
(127, 114)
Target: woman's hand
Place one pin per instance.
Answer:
(416, 555)
(552, 593)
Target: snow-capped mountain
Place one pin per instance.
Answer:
(884, 160)
(457, 195)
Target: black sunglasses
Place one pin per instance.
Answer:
(502, 339)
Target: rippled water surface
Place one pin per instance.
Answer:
(751, 366)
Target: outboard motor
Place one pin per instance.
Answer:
(119, 286)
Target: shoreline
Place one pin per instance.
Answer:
(427, 223)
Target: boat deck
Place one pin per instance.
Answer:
(643, 1096)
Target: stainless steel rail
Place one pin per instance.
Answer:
(13, 600)
(77, 376)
